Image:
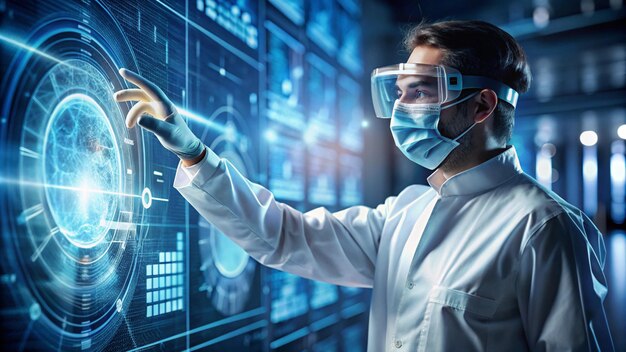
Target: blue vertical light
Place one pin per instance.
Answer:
(617, 255)
(589, 139)
(618, 181)
(543, 169)
(544, 172)
(590, 179)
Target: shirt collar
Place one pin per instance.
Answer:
(480, 178)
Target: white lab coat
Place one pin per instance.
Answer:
(487, 260)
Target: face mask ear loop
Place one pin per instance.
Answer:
(458, 102)
(464, 133)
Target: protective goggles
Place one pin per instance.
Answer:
(427, 84)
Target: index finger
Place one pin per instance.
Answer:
(150, 88)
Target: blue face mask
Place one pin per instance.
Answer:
(414, 130)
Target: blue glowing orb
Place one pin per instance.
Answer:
(81, 165)
(230, 259)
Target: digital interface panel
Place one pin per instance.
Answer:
(292, 9)
(321, 27)
(323, 177)
(349, 54)
(351, 180)
(99, 251)
(321, 100)
(350, 110)
(287, 169)
(285, 78)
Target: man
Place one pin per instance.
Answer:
(484, 259)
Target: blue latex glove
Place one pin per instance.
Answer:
(165, 121)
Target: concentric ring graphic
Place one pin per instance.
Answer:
(73, 208)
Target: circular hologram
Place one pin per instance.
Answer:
(81, 169)
(71, 227)
(146, 198)
(230, 259)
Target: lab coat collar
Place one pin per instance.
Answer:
(480, 178)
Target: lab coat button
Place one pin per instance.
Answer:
(398, 343)
(410, 285)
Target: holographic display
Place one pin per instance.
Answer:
(349, 54)
(321, 27)
(349, 111)
(321, 99)
(287, 169)
(323, 294)
(70, 212)
(289, 296)
(351, 183)
(353, 7)
(236, 17)
(285, 74)
(98, 251)
(352, 338)
(292, 9)
(323, 177)
(164, 285)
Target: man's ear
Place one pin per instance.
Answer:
(486, 103)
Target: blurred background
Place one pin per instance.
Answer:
(281, 89)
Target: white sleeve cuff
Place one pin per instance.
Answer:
(207, 166)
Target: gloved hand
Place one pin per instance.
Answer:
(165, 122)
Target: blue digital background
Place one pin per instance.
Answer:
(98, 250)
(93, 260)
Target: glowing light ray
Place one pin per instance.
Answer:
(197, 118)
(26, 334)
(22, 45)
(74, 188)
(44, 243)
(29, 153)
(30, 213)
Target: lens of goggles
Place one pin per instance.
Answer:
(413, 84)
(427, 84)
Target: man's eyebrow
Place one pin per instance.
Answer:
(421, 83)
(417, 83)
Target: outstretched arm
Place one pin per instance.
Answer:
(339, 248)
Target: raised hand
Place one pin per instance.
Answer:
(163, 119)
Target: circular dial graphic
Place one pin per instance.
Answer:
(74, 198)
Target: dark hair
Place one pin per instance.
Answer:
(481, 49)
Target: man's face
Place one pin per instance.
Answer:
(454, 120)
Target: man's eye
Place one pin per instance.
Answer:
(419, 94)
(423, 94)
(413, 95)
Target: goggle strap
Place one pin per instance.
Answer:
(503, 91)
